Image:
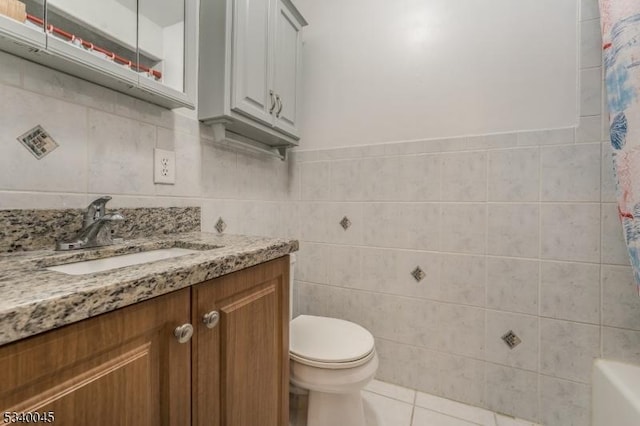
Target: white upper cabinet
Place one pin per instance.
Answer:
(249, 87)
(287, 70)
(167, 38)
(251, 79)
(144, 48)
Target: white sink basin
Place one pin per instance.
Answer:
(101, 265)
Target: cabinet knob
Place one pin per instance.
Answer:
(273, 102)
(210, 319)
(183, 333)
(280, 105)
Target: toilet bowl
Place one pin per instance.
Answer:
(333, 360)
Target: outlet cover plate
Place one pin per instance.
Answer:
(164, 166)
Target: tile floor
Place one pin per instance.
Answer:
(391, 405)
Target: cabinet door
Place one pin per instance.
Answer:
(166, 53)
(287, 68)
(241, 366)
(120, 368)
(97, 36)
(251, 64)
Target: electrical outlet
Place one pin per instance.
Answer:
(164, 166)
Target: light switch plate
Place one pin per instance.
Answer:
(164, 166)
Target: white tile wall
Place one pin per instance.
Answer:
(462, 279)
(618, 309)
(589, 128)
(527, 239)
(219, 173)
(524, 355)
(514, 174)
(346, 180)
(608, 184)
(589, 10)
(464, 228)
(314, 180)
(464, 176)
(188, 153)
(567, 349)
(461, 379)
(346, 266)
(590, 91)
(514, 231)
(614, 248)
(570, 232)
(621, 344)
(570, 291)
(512, 284)
(118, 158)
(546, 137)
(63, 170)
(510, 390)
(106, 147)
(563, 402)
(590, 43)
(406, 178)
(570, 173)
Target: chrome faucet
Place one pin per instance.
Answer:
(96, 227)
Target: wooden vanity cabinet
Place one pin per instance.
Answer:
(127, 367)
(120, 368)
(241, 364)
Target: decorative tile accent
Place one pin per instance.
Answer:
(38, 142)
(345, 223)
(511, 339)
(418, 274)
(220, 226)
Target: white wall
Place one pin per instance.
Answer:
(380, 71)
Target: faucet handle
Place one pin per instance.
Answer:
(96, 210)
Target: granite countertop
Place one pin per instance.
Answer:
(34, 299)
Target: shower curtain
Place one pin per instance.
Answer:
(620, 21)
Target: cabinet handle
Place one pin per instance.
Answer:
(183, 333)
(273, 102)
(210, 319)
(279, 100)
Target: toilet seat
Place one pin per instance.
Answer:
(329, 343)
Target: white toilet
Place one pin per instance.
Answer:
(333, 359)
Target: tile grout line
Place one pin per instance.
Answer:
(413, 408)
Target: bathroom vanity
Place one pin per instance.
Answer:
(198, 339)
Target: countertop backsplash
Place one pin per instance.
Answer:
(25, 230)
